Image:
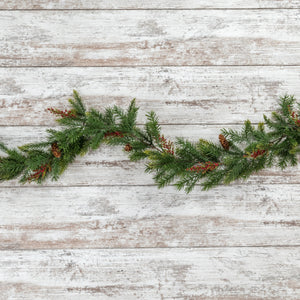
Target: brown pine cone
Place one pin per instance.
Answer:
(128, 148)
(55, 150)
(224, 142)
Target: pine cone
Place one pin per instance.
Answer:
(128, 148)
(55, 150)
(224, 142)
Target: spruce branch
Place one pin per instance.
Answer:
(239, 153)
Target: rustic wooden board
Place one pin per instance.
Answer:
(154, 4)
(232, 273)
(191, 95)
(143, 216)
(104, 231)
(110, 165)
(147, 37)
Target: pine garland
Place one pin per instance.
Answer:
(237, 155)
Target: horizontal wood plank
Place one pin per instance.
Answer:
(250, 273)
(190, 95)
(133, 38)
(154, 4)
(110, 165)
(143, 216)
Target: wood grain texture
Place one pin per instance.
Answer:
(234, 273)
(143, 216)
(179, 95)
(110, 165)
(123, 38)
(154, 4)
(104, 231)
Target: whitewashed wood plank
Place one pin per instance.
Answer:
(139, 217)
(122, 38)
(110, 166)
(198, 95)
(234, 273)
(154, 4)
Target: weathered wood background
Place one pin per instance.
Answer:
(104, 231)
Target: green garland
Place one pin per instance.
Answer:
(238, 155)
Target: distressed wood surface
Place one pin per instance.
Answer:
(143, 216)
(224, 273)
(154, 4)
(110, 165)
(179, 95)
(104, 231)
(160, 37)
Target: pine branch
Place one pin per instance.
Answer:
(275, 142)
